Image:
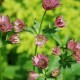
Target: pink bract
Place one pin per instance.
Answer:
(77, 52)
(56, 51)
(77, 55)
(60, 22)
(33, 75)
(19, 25)
(72, 44)
(41, 40)
(41, 61)
(50, 4)
(15, 39)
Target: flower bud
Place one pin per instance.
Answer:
(56, 51)
(55, 72)
(14, 39)
(19, 25)
(5, 24)
(60, 22)
(33, 75)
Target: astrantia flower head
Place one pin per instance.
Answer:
(72, 44)
(15, 39)
(77, 52)
(77, 55)
(19, 25)
(55, 72)
(56, 51)
(60, 22)
(41, 40)
(41, 61)
(33, 75)
(50, 4)
(5, 24)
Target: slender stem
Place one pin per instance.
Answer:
(1, 75)
(63, 74)
(56, 78)
(36, 47)
(42, 21)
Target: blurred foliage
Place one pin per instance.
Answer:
(17, 58)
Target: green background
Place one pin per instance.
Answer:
(17, 58)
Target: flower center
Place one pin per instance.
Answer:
(39, 38)
(42, 63)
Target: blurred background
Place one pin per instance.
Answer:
(17, 58)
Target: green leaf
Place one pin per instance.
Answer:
(67, 38)
(73, 72)
(10, 71)
(30, 30)
(50, 30)
(57, 39)
(36, 26)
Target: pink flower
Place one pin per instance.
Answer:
(50, 4)
(55, 72)
(19, 25)
(41, 61)
(5, 24)
(14, 39)
(33, 75)
(72, 44)
(60, 22)
(56, 51)
(41, 40)
(77, 52)
(77, 55)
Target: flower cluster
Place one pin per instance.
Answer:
(41, 61)
(6, 26)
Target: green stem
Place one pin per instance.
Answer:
(1, 75)
(36, 47)
(64, 74)
(56, 78)
(45, 78)
(42, 21)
